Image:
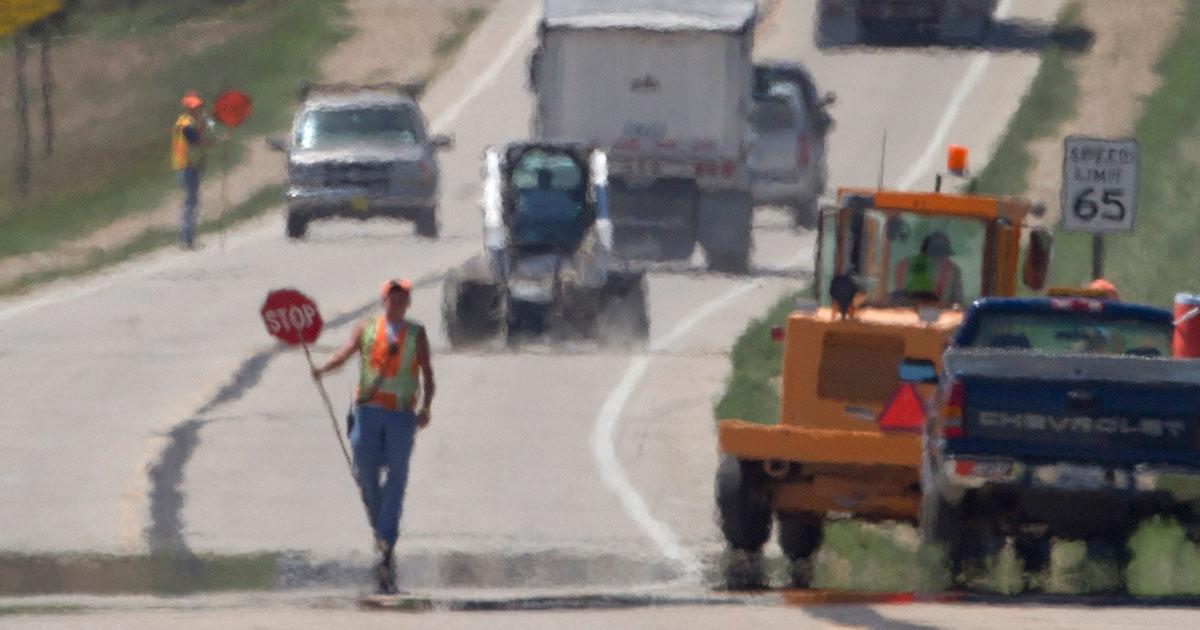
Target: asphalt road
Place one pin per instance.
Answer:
(147, 410)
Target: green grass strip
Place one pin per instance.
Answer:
(128, 168)
(1160, 257)
(1052, 99)
(751, 394)
(148, 241)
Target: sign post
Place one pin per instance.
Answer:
(231, 108)
(293, 318)
(1099, 190)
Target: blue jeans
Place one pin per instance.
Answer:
(189, 178)
(383, 439)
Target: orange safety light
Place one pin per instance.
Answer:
(905, 412)
(956, 159)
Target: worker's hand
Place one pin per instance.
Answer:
(317, 372)
(423, 417)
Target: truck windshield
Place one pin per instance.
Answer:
(1073, 333)
(331, 127)
(902, 258)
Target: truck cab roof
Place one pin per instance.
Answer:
(651, 15)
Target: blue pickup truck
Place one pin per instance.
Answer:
(1057, 418)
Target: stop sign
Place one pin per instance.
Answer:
(291, 317)
(231, 108)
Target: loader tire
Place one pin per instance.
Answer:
(743, 503)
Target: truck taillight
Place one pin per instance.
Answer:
(426, 173)
(952, 415)
(803, 153)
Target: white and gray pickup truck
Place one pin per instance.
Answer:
(361, 151)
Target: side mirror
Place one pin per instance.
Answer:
(1037, 259)
(442, 141)
(829, 99)
(918, 371)
(277, 144)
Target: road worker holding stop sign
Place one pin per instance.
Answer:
(394, 353)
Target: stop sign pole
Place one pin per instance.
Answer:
(293, 318)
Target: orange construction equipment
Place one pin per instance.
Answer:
(829, 454)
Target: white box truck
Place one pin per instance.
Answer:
(665, 87)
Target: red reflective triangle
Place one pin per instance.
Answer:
(905, 411)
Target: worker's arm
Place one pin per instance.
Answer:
(424, 414)
(343, 353)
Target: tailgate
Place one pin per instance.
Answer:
(1059, 409)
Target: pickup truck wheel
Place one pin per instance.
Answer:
(426, 222)
(941, 524)
(297, 225)
(1033, 551)
(1113, 549)
(743, 503)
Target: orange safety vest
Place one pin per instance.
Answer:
(398, 386)
(939, 285)
(182, 155)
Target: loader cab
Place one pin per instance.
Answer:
(920, 249)
(546, 198)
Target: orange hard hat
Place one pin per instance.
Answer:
(191, 99)
(403, 284)
(1109, 289)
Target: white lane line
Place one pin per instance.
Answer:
(139, 269)
(489, 76)
(958, 98)
(604, 432)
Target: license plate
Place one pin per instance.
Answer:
(1079, 477)
(360, 204)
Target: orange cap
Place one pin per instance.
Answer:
(402, 284)
(191, 99)
(1109, 289)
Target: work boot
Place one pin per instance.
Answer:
(385, 574)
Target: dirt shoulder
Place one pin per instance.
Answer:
(1115, 76)
(395, 40)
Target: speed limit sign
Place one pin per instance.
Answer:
(1099, 191)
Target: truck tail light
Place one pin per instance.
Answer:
(425, 173)
(803, 150)
(952, 415)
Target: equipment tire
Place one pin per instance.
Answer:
(743, 503)
(426, 222)
(471, 306)
(800, 537)
(297, 225)
(624, 315)
(726, 221)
